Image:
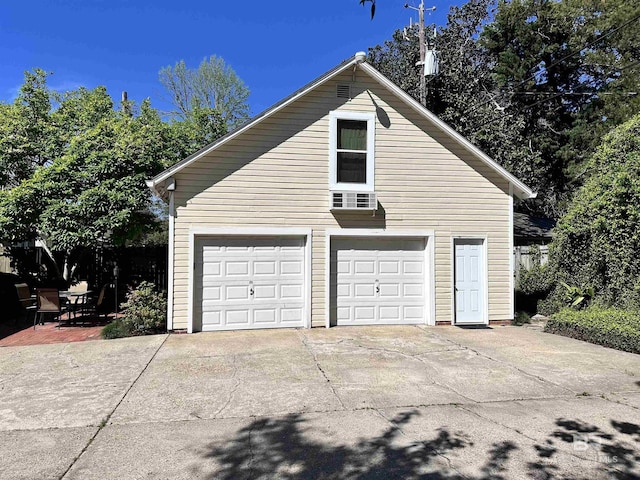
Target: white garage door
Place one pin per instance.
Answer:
(245, 283)
(378, 281)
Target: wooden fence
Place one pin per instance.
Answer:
(527, 256)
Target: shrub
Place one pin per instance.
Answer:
(538, 279)
(145, 311)
(610, 327)
(596, 241)
(521, 318)
(115, 329)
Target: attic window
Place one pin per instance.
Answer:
(351, 155)
(343, 91)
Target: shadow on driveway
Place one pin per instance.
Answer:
(279, 448)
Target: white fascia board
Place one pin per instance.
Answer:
(259, 118)
(520, 189)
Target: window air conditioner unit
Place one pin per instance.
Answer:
(353, 201)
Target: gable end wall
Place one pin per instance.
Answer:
(276, 174)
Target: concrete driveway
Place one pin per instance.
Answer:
(371, 402)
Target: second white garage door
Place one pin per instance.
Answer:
(378, 281)
(249, 282)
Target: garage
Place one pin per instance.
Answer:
(250, 282)
(378, 280)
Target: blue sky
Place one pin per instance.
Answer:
(274, 46)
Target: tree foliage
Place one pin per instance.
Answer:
(465, 76)
(211, 89)
(598, 239)
(534, 83)
(569, 67)
(81, 183)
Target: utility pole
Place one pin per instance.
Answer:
(422, 41)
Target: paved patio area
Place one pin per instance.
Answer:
(371, 402)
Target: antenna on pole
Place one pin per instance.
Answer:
(428, 61)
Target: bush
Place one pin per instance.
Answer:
(596, 242)
(115, 329)
(521, 318)
(145, 311)
(610, 327)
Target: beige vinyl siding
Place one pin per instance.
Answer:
(276, 175)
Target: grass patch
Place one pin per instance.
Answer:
(609, 327)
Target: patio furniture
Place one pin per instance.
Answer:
(48, 304)
(27, 301)
(77, 297)
(96, 305)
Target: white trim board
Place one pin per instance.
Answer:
(194, 232)
(171, 260)
(429, 281)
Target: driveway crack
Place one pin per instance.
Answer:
(510, 365)
(234, 375)
(105, 421)
(303, 339)
(423, 443)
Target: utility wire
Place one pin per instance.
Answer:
(555, 95)
(553, 64)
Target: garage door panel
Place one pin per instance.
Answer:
(378, 280)
(291, 315)
(364, 267)
(264, 315)
(264, 268)
(389, 290)
(412, 267)
(291, 267)
(364, 290)
(237, 317)
(249, 282)
(265, 292)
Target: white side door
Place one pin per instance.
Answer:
(378, 281)
(249, 283)
(469, 281)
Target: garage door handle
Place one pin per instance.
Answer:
(377, 287)
(251, 288)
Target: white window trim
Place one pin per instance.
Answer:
(370, 118)
(199, 232)
(429, 259)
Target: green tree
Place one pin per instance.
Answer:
(465, 76)
(212, 88)
(87, 183)
(25, 131)
(565, 66)
(597, 240)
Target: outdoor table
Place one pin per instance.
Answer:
(73, 297)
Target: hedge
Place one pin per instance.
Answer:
(609, 327)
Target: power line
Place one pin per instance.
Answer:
(553, 97)
(553, 64)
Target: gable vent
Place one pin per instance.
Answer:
(353, 201)
(343, 90)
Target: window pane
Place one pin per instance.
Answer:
(352, 167)
(352, 135)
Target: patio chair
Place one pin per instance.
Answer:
(98, 304)
(27, 302)
(48, 304)
(78, 303)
